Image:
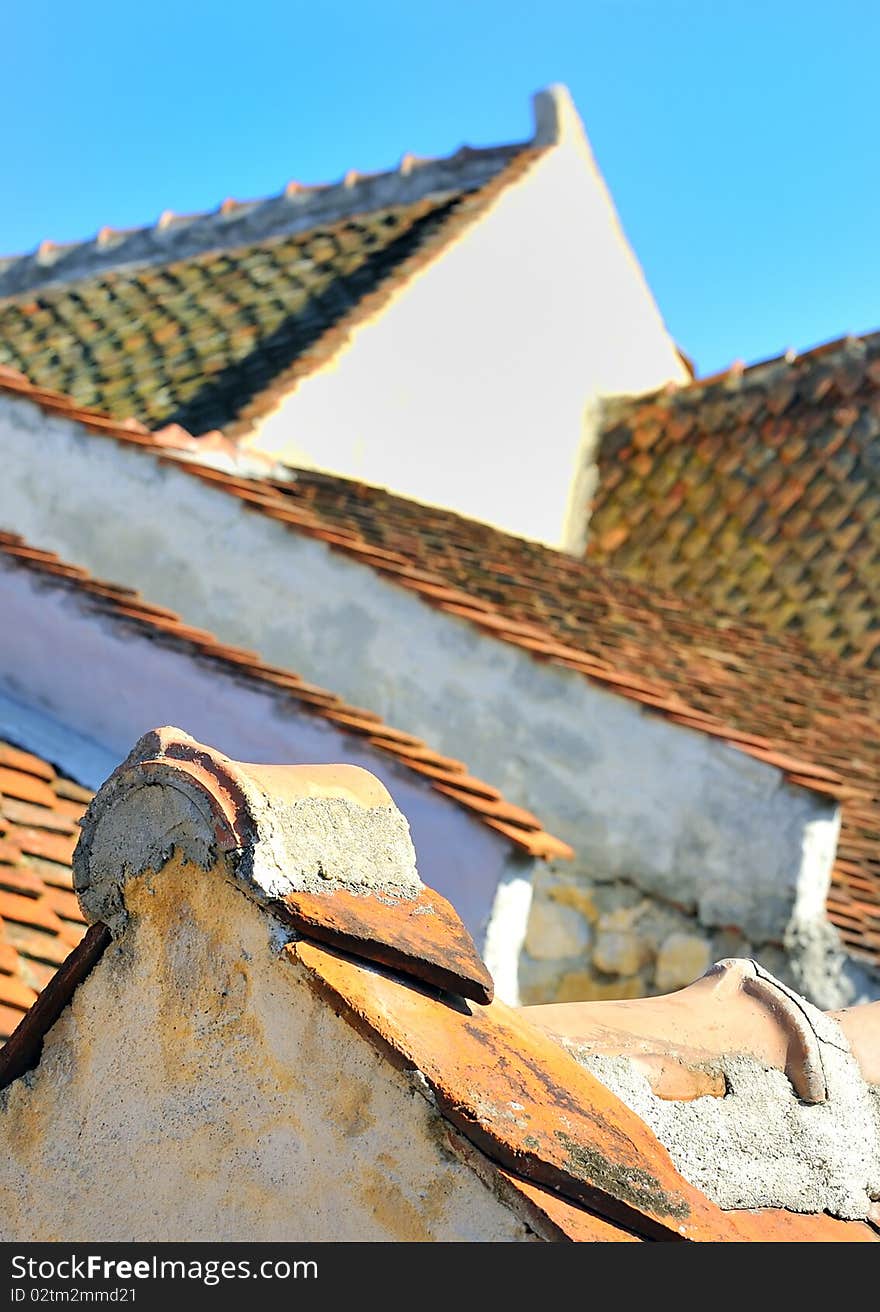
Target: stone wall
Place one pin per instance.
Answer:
(600, 939)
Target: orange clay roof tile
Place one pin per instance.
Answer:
(421, 936)
(521, 1099)
(553, 1218)
(520, 827)
(13, 759)
(774, 1225)
(26, 787)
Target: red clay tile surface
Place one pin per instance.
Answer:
(22, 1050)
(766, 694)
(420, 936)
(40, 919)
(757, 491)
(158, 624)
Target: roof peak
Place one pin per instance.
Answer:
(324, 848)
(296, 208)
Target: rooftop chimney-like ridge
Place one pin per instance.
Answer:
(297, 207)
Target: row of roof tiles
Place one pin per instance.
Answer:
(40, 918)
(441, 773)
(756, 491)
(297, 207)
(766, 694)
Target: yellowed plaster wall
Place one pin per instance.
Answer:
(195, 1089)
(474, 388)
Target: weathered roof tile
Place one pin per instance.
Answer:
(785, 450)
(40, 921)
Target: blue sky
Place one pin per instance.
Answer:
(739, 139)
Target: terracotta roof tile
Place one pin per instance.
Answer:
(774, 1225)
(544, 1134)
(552, 1217)
(40, 921)
(421, 936)
(520, 827)
(483, 1064)
(777, 494)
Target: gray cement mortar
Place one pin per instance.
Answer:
(760, 1145)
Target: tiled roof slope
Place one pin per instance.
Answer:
(212, 340)
(158, 624)
(767, 694)
(40, 918)
(757, 491)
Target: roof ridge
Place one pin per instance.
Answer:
(462, 211)
(739, 370)
(522, 828)
(261, 494)
(296, 208)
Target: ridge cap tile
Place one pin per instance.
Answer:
(756, 689)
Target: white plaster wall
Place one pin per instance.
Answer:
(469, 390)
(680, 814)
(195, 1089)
(104, 680)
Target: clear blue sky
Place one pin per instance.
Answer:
(739, 137)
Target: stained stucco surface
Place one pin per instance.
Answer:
(196, 1089)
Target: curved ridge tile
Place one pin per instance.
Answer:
(318, 827)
